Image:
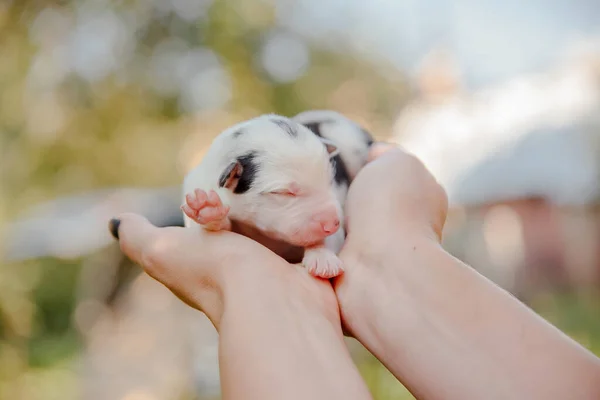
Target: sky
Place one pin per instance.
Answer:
(491, 40)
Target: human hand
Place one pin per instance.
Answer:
(279, 328)
(394, 208)
(394, 195)
(418, 309)
(207, 270)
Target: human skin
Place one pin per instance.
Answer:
(441, 328)
(279, 328)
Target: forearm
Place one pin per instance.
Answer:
(447, 332)
(276, 344)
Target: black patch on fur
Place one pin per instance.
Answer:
(286, 127)
(249, 172)
(368, 137)
(237, 133)
(341, 172)
(315, 127)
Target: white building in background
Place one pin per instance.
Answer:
(520, 162)
(533, 136)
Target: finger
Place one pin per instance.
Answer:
(378, 149)
(395, 160)
(135, 233)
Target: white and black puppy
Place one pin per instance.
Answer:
(282, 182)
(74, 226)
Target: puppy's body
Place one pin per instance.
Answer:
(282, 182)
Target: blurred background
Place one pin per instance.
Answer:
(104, 105)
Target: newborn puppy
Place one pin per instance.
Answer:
(280, 183)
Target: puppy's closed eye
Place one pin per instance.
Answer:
(292, 190)
(284, 192)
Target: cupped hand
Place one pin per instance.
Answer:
(394, 194)
(205, 269)
(394, 205)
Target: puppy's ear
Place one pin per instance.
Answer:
(332, 149)
(239, 175)
(231, 175)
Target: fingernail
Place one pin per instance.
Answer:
(113, 227)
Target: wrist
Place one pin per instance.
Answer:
(377, 279)
(291, 323)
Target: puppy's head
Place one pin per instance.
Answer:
(279, 176)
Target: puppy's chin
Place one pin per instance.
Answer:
(304, 240)
(274, 239)
(293, 240)
(304, 243)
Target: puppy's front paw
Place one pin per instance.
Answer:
(322, 262)
(206, 209)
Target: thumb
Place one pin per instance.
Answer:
(156, 251)
(134, 233)
(379, 148)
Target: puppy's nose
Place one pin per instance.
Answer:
(330, 225)
(327, 221)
